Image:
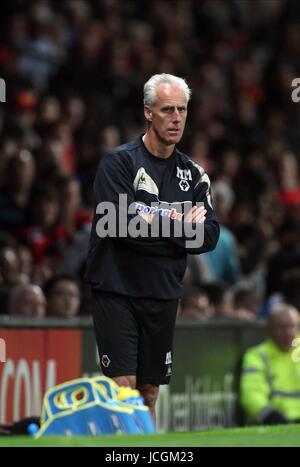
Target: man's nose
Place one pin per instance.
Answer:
(176, 116)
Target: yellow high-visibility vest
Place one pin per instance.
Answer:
(270, 380)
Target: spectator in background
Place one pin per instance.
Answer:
(73, 217)
(224, 261)
(246, 301)
(27, 301)
(16, 192)
(63, 297)
(269, 382)
(194, 305)
(77, 224)
(46, 236)
(231, 303)
(10, 275)
(61, 133)
(221, 300)
(49, 158)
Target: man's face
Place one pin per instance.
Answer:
(284, 329)
(64, 300)
(32, 303)
(168, 115)
(197, 307)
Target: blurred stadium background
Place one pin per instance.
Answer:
(74, 73)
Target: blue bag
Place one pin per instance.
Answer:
(88, 407)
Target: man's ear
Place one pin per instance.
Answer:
(148, 113)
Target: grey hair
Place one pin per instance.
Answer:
(156, 80)
(17, 293)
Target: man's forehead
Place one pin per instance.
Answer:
(286, 319)
(170, 93)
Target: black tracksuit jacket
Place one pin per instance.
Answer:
(151, 267)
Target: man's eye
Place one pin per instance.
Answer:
(172, 109)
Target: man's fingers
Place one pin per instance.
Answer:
(196, 215)
(194, 212)
(199, 218)
(147, 217)
(189, 216)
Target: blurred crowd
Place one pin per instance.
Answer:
(74, 72)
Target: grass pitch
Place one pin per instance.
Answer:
(279, 436)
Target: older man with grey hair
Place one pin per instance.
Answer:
(137, 277)
(27, 301)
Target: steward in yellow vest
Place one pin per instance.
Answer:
(270, 378)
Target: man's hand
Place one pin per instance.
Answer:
(147, 217)
(196, 215)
